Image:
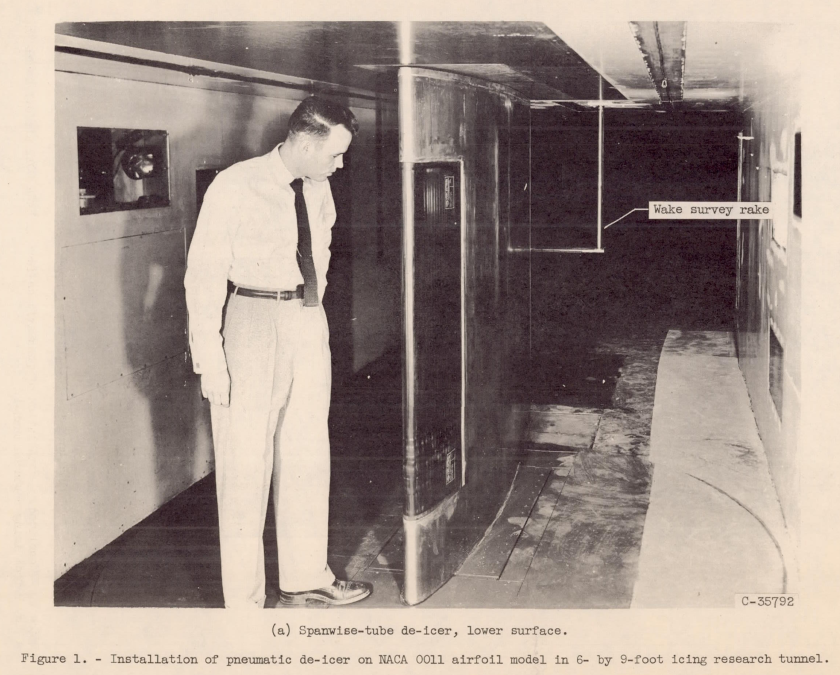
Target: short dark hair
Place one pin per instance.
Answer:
(317, 116)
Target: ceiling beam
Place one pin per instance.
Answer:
(662, 44)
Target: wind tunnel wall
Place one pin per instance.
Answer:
(131, 429)
(774, 257)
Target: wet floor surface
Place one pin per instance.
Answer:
(570, 534)
(579, 544)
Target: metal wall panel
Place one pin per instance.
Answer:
(131, 429)
(122, 306)
(122, 450)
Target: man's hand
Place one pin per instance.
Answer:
(215, 387)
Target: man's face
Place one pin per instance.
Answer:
(323, 156)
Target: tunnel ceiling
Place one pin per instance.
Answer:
(644, 64)
(701, 60)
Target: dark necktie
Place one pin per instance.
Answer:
(304, 250)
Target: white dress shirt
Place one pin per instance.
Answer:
(247, 233)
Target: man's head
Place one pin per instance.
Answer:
(320, 132)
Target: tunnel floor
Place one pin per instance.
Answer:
(591, 520)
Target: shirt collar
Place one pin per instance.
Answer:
(282, 174)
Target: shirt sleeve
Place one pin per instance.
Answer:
(208, 263)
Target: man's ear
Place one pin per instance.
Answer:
(308, 143)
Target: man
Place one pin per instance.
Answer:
(262, 243)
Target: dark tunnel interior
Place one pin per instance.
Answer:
(654, 275)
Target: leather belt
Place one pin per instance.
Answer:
(268, 295)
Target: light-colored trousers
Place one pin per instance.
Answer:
(278, 357)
